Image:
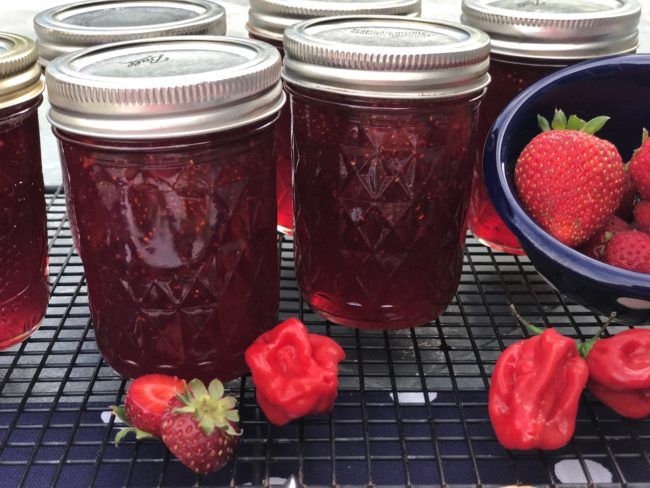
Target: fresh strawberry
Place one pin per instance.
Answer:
(569, 180)
(629, 250)
(642, 216)
(200, 426)
(596, 246)
(640, 167)
(626, 207)
(146, 400)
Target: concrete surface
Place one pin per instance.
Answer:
(17, 17)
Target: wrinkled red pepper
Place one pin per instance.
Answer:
(535, 390)
(295, 372)
(619, 372)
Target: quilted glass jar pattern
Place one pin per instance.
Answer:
(179, 250)
(382, 163)
(24, 285)
(173, 202)
(530, 40)
(267, 20)
(380, 206)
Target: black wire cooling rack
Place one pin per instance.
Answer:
(411, 409)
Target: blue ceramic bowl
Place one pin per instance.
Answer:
(618, 87)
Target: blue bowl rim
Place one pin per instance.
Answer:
(506, 201)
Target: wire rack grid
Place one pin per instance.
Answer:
(412, 406)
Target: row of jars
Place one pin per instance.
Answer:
(181, 156)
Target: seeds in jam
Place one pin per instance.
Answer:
(178, 241)
(508, 80)
(381, 191)
(24, 287)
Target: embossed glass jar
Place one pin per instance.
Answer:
(532, 39)
(267, 21)
(383, 117)
(168, 160)
(74, 26)
(24, 286)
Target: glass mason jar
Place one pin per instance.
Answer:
(71, 27)
(531, 40)
(384, 111)
(172, 181)
(24, 286)
(267, 20)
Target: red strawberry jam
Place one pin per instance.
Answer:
(179, 248)
(174, 205)
(381, 199)
(508, 80)
(381, 176)
(282, 159)
(531, 40)
(267, 22)
(24, 287)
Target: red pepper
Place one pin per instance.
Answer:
(619, 372)
(535, 390)
(295, 372)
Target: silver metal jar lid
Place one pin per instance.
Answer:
(164, 87)
(20, 75)
(68, 28)
(269, 18)
(386, 57)
(556, 29)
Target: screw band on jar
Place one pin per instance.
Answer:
(20, 75)
(167, 87)
(68, 28)
(387, 57)
(556, 29)
(383, 114)
(24, 285)
(270, 18)
(167, 150)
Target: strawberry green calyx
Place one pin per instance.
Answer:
(644, 137)
(560, 122)
(120, 413)
(211, 409)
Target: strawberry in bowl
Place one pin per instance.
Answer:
(559, 211)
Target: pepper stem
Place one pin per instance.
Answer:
(585, 347)
(531, 327)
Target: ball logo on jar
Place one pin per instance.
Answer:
(151, 59)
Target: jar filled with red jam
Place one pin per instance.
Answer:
(167, 150)
(74, 26)
(530, 40)
(384, 111)
(24, 286)
(267, 21)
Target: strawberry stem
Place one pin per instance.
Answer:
(209, 406)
